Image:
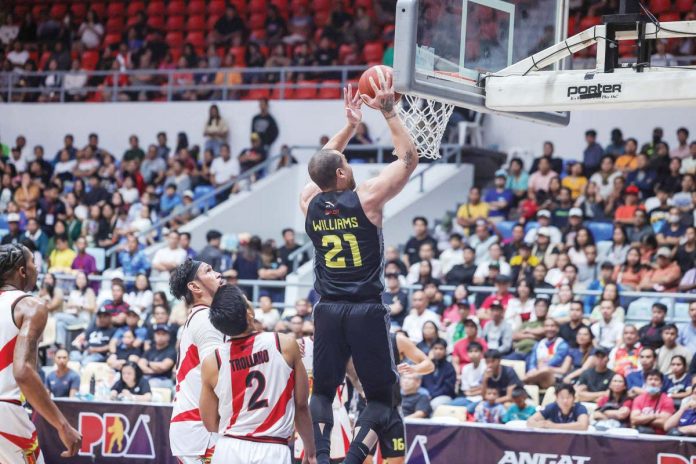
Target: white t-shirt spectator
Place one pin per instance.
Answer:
(607, 334)
(65, 166)
(167, 255)
(224, 170)
(18, 58)
(450, 258)
(269, 319)
(413, 324)
(481, 247)
(8, 32)
(91, 34)
(482, 269)
(74, 80)
(555, 235)
(414, 271)
(472, 377)
(605, 189)
(130, 195)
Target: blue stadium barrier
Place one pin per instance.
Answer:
(601, 230)
(505, 228)
(203, 190)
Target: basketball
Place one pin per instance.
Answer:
(364, 86)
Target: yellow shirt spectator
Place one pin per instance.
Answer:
(626, 163)
(576, 184)
(61, 259)
(468, 213)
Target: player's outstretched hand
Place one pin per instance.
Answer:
(72, 440)
(353, 104)
(384, 99)
(405, 369)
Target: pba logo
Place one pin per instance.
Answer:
(669, 458)
(117, 439)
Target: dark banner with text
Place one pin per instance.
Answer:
(468, 444)
(111, 433)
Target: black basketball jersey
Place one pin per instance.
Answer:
(349, 258)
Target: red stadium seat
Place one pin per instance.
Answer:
(216, 8)
(258, 35)
(240, 5)
(176, 7)
(99, 9)
(196, 23)
(90, 58)
(112, 39)
(175, 23)
(305, 90)
(330, 90)
(135, 7)
(58, 11)
(684, 6)
(115, 9)
(282, 6)
(660, 6)
(257, 21)
(20, 11)
(156, 9)
(296, 4)
(156, 22)
(287, 93)
(196, 7)
(174, 39)
(321, 5)
(258, 7)
(196, 38)
(589, 21)
(239, 55)
(257, 94)
(367, 4)
(343, 51)
(43, 62)
(114, 25)
(211, 22)
(78, 10)
(373, 51)
(322, 18)
(670, 16)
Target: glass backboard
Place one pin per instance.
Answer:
(443, 46)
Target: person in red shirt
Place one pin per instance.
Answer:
(460, 354)
(502, 294)
(651, 409)
(624, 214)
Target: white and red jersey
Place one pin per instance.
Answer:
(255, 389)
(187, 434)
(9, 391)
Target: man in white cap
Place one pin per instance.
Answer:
(14, 235)
(544, 220)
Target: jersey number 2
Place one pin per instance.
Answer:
(254, 401)
(336, 243)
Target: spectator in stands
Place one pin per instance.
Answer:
(123, 349)
(167, 258)
(625, 214)
(460, 353)
(230, 28)
(501, 296)
(170, 200)
(544, 222)
(470, 213)
(253, 156)
(575, 181)
(413, 323)
(568, 331)
(530, 331)
(482, 240)
(640, 227)
(651, 409)
(62, 257)
(593, 384)
(141, 297)
(265, 125)
(289, 246)
(463, 273)
(519, 410)
(442, 381)
(613, 409)
(216, 128)
(84, 261)
(498, 376)
(604, 176)
(665, 275)
(643, 176)
(563, 414)
(498, 331)
(454, 254)
(133, 259)
(158, 361)
(670, 348)
(511, 246)
(623, 358)
(593, 153)
(546, 359)
(672, 230)
(414, 404)
(581, 358)
(540, 180)
(517, 180)
(14, 234)
(682, 422)
(95, 341)
(396, 298)
(213, 253)
(420, 236)
(426, 253)
(607, 331)
(678, 384)
(132, 386)
(272, 268)
(606, 270)
(153, 168)
(489, 411)
(36, 235)
(499, 198)
(81, 305)
(429, 335)
(617, 146)
(266, 314)
(547, 153)
(495, 258)
(523, 263)
(651, 333)
(471, 378)
(687, 332)
(91, 31)
(63, 382)
(636, 380)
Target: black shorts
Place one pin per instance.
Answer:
(392, 440)
(360, 330)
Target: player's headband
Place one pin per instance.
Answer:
(191, 276)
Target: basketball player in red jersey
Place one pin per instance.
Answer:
(195, 282)
(22, 321)
(344, 222)
(254, 388)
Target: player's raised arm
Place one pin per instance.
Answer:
(208, 403)
(375, 192)
(303, 419)
(353, 117)
(31, 314)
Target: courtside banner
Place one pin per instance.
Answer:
(430, 443)
(127, 433)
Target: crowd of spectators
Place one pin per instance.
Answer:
(619, 222)
(200, 49)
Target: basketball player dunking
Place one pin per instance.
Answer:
(344, 224)
(253, 388)
(195, 282)
(22, 321)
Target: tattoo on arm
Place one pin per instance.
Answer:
(409, 158)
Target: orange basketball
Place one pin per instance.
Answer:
(364, 86)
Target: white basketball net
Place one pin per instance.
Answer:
(426, 121)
